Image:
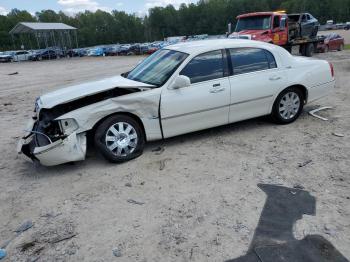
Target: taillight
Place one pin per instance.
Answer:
(332, 68)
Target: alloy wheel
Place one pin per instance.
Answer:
(289, 105)
(121, 139)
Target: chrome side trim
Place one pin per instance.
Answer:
(218, 107)
(195, 112)
(251, 100)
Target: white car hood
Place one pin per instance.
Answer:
(74, 92)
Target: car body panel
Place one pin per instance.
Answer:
(166, 112)
(203, 105)
(253, 93)
(144, 105)
(74, 92)
(70, 149)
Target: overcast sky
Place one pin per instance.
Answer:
(73, 6)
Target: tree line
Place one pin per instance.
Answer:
(204, 17)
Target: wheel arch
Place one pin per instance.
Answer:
(302, 88)
(133, 116)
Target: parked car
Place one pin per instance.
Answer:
(43, 54)
(347, 26)
(330, 25)
(77, 52)
(124, 49)
(331, 42)
(152, 50)
(179, 89)
(7, 56)
(339, 26)
(97, 51)
(144, 48)
(21, 55)
(113, 50)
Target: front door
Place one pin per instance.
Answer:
(203, 104)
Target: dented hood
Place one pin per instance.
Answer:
(74, 92)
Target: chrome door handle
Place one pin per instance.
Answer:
(274, 78)
(217, 90)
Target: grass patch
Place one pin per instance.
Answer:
(347, 47)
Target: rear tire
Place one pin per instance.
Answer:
(288, 106)
(119, 138)
(341, 47)
(309, 50)
(326, 49)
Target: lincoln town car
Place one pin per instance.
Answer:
(179, 89)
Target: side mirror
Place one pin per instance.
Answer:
(180, 82)
(283, 23)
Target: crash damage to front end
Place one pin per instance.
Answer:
(52, 142)
(57, 131)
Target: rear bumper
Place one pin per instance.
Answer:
(70, 149)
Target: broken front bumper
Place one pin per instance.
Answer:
(71, 148)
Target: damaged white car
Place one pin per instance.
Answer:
(180, 89)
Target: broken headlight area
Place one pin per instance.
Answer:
(53, 142)
(68, 126)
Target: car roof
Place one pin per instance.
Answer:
(198, 47)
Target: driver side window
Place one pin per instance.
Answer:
(276, 22)
(204, 67)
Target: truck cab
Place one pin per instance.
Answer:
(277, 28)
(270, 27)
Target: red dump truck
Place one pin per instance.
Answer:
(286, 30)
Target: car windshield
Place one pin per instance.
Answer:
(253, 23)
(157, 68)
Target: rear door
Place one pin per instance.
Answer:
(255, 81)
(203, 104)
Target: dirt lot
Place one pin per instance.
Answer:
(204, 205)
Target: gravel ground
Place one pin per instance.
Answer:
(203, 205)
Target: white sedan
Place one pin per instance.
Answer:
(179, 89)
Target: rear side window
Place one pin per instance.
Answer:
(246, 60)
(205, 67)
(270, 59)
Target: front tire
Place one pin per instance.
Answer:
(119, 138)
(288, 106)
